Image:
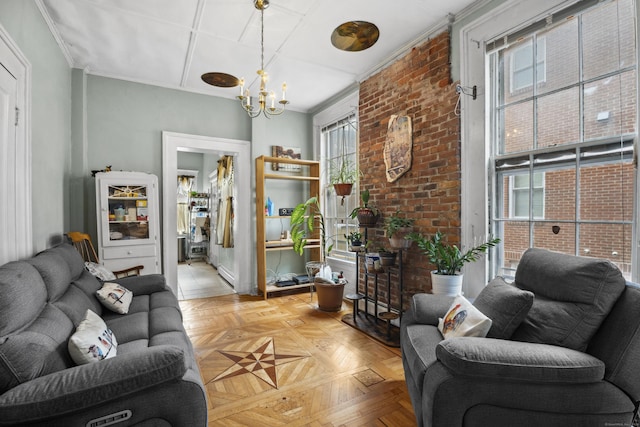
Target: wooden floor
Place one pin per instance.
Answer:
(282, 362)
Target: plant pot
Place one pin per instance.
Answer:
(387, 259)
(367, 217)
(442, 284)
(356, 246)
(329, 294)
(343, 189)
(397, 240)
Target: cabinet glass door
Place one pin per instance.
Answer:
(128, 215)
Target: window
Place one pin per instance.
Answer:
(522, 65)
(519, 197)
(562, 149)
(339, 145)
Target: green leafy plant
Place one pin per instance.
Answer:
(355, 237)
(364, 196)
(449, 259)
(304, 220)
(343, 171)
(395, 222)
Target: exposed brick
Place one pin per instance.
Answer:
(417, 85)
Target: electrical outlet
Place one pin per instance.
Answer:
(285, 211)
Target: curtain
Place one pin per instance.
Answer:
(184, 188)
(224, 229)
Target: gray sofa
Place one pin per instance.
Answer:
(152, 381)
(570, 356)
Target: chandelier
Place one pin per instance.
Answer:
(264, 95)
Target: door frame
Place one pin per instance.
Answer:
(17, 230)
(171, 143)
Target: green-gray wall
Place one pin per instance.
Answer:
(50, 119)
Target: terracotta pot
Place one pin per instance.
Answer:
(398, 241)
(343, 189)
(367, 217)
(329, 294)
(442, 284)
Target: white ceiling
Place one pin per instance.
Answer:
(171, 43)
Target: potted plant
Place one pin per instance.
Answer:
(446, 279)
(307, 221)
(367, 215)
(344, 174)
(396, 228)
(355, 240)
(387, 258)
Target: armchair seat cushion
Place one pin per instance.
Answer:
(509, 360)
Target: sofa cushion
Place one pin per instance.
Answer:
(54, 271)
(36, 350)
(92, 341)
(99, 271)
(463, 320)
(506, 306)
(23, 295)
(573, 296)
(510, 360)
(115, 297)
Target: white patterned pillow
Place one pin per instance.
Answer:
(92, 341)
(100, 271)
(115, 297)
(464, 320)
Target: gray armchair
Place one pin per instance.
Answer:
(570, 357)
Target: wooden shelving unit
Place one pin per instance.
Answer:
(310, 173)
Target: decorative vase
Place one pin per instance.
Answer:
(398, 241)
(329, 294)
(343, 189)
(442, 284)
(367, 217)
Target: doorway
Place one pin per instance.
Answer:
(171, 144)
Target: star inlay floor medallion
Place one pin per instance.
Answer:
(261, 362)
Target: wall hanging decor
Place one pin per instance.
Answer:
(286, 153)
(398, 147)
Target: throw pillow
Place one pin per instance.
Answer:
(115, 297)
(464, 320)
(505, 305)
(99, 271)
(92, 341)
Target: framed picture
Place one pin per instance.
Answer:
(285, 153)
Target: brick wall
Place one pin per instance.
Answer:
(418, 85)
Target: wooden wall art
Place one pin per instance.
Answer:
(398, 147)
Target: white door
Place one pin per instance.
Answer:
(15, 152)
(8, 94)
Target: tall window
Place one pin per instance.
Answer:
(339, 145)
(562, 148)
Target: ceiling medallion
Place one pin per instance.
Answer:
(355, 36)
(220, 79)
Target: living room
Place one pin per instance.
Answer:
(78, 122)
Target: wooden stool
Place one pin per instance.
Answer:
(354, 298)
(388, 316)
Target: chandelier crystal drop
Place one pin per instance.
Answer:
(266, 102)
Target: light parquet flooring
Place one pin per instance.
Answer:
(282, 362)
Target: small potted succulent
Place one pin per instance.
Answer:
(446, 279)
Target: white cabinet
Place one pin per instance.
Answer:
(128, 220)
